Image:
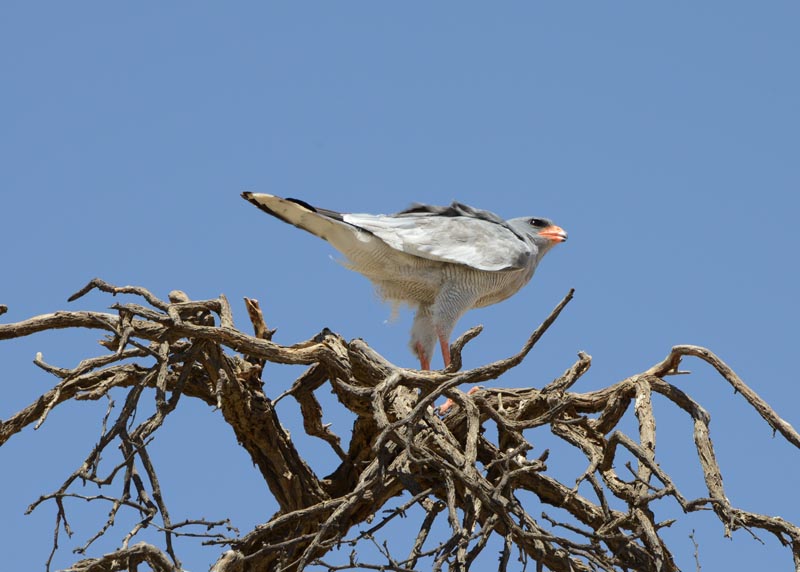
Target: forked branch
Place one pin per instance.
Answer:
(402, 458)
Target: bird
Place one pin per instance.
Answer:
(440, 260)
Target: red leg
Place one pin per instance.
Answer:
(424, 361)
(444, 343)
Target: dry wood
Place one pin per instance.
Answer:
(447, 468)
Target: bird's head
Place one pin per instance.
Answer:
(541, 231)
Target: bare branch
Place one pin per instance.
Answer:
(402, 459)
(126, 559)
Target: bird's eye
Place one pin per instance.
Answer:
(537, 222)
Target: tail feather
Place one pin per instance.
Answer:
(323, 223)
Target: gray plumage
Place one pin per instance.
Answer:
(442, 261)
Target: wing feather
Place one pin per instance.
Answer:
(475, 242)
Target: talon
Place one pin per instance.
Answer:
(449, 403)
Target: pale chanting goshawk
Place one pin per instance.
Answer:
(442, 261)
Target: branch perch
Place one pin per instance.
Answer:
(401, 458)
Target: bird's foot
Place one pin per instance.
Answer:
(444, 407)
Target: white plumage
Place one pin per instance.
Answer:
(441, 260)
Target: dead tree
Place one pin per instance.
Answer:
(447, 467)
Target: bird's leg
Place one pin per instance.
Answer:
(444, 343)
(423, 336)
(451, 302)
(424, 360)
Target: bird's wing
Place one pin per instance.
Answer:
(473, 241)
(458, 234)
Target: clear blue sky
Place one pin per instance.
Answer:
(664, 138)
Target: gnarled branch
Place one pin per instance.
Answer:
(447, 469)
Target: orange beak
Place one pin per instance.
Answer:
(554, 233)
